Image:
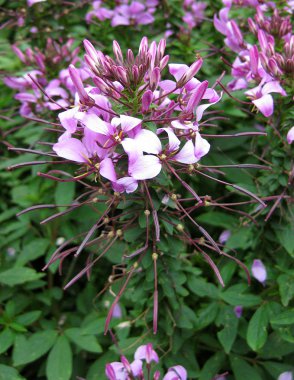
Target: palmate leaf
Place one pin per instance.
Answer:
(28, 350)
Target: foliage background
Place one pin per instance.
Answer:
(48, 333)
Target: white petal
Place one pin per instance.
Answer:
(145, 167)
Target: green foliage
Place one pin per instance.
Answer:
(49, 333)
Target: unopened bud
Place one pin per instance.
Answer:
(147, 212)
(174, 197)
(180, 227)
(110, 234)
(154, 256)
(117, 52)
(201, 241)
(119, 233)
(190, 168)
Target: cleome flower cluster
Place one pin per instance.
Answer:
(131, 124)
(124, 370)
(269, 62)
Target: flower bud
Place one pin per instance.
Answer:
(91, 51)
(117, 52)
(146, 100)
(75, 77)
(259, 271)
(154, 78)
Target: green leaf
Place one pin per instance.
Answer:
(59, 363)
(28, 350)
(93, 327)
(86, 342)
(202, 288)
(243, 371)
(212, 366)
(6, 340)
(32, 251)
(286, 238)
(217, 219)
(234, 297)
(206, 315)
(16, 276)
(228, 334)
(276, 368)
(64, 193)
(286, 288)
(257, 329)
(285, 318)
(28, 318)
(9, 373)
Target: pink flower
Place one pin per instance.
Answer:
(87, 152)
(290, 135)
(146, 353)
(134, 14)
(149, 165)
(262, 99)
(259, 271)
(176, 373)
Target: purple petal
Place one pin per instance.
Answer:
(129, 122)
(131, 149)
(125, 184)
(148, 142)
(136, 367)
(176, 373)
(117, 313)
(290, 135)
(145, 167)
(259, 271)
(224, 236)
(173, 141)
(286, 376)
(167, 85)
(26, 97)
(273, 86)
(68, 120)
(265, 104)
(187, 154)
(238, 310)
(71, 149)
(107, 169)
(178, 70)
(120, 20)
(202, 146)
(94, 123)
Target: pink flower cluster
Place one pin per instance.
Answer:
(125, 12)
(124, 370)
(37, 90)
(194, 13)
(132, 124)
(269, 64)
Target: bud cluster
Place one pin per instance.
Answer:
(269, 64)
(47, 86)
